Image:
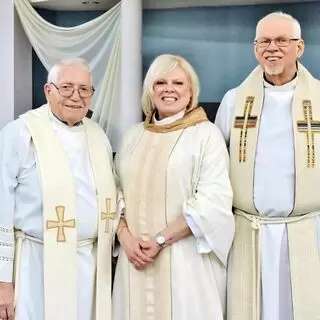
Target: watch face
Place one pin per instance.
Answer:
(161, 239)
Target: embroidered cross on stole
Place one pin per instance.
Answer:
(245, 122)
(60, 224)
(107, 215)
(309, 126)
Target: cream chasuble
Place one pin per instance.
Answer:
(301, 223)
(60, 218)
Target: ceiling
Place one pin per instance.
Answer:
(76, 5)
(161, 4)
(73, 5)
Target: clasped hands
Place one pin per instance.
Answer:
(139, 252)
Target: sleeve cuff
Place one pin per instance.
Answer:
(6, 254)
(202, 244)
(116, 248)
(192, 225)
(121, 208)
(6, 270)
(120, 214)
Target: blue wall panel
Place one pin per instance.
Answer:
(218, 40)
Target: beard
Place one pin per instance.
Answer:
(273, 71)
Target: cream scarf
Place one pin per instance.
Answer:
(191, 118)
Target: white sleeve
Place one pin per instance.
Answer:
(109, 150)
(121, 206)
(202, 244)
(224, 114)
(211, 204)
(120, 201)
(10, 158)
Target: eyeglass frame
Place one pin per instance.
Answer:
(74, 89)
(256, 41)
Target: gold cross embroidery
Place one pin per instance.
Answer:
(309, 126)
(245, 122)
(61, 224)
(107, 215)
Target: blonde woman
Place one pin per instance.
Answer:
(178, 226)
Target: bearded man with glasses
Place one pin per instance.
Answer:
(58, 204)
(271, 123)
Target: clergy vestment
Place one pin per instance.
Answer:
(272, 131)
(57, 217)
(164, 175)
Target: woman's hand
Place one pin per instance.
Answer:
(133, 250)
(150, 248)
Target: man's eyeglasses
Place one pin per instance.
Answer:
(279, 41)
(67, 90)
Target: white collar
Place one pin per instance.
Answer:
(170, 119)
(285, 87)
(60, 124)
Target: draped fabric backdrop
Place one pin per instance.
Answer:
(97, 41)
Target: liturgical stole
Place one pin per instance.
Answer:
(301, 223)
(146, 214)
(60, 217)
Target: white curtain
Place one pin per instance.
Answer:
(97, 41)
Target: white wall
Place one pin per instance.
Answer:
(6, 61)
(15, 65)
(22, 69)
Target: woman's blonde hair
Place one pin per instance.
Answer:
(159, 68)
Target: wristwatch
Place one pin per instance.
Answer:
(161, 240)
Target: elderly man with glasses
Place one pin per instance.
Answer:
(58, 204)
(271, 123)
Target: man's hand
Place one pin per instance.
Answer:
(6, 301)
(150, 248)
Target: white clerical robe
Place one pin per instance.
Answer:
(198, 263)
(274, 182)
(21, 208)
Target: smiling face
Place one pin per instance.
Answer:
(74, 108)
(171, 93)
(279, 63)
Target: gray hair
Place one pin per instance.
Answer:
(54, 72)
(281, 15)
(160, 67)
